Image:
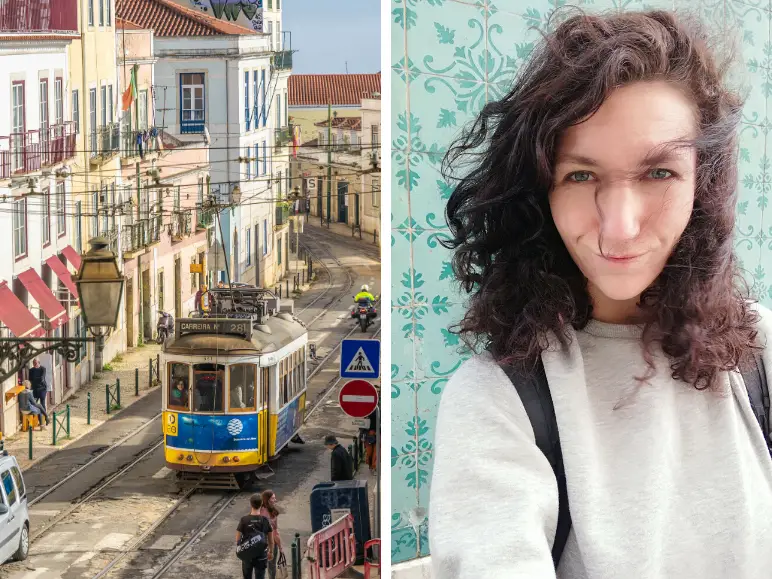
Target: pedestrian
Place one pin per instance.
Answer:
(271, 512)
(37, 377)
(221, 284)
(27, 404)
(199, 295)
(254, 541)
(370, 438)
(341, 467)
(593, 228)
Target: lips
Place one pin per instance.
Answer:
(621, 258)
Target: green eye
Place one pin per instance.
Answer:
(579, 176)
(660, 174)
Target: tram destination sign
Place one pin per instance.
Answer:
(188, 326)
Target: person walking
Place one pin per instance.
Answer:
(27, 404)
(369, 436)
(610, 424)
(37, 377)
(271, 512)
(254, 541)
(341, 467)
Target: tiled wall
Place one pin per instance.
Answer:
(448, 58)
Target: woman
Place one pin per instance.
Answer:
(179, 395)
(270, 512)
(593, 230)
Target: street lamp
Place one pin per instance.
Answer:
(100, 286)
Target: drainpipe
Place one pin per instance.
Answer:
(227, 148)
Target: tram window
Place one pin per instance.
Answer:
(242, 387)
(208, 391)
(179, 386)
(265, 381)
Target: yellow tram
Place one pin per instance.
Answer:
(234, 387)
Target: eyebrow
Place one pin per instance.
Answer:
(662, 154)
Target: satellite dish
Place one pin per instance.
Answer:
(207, 138)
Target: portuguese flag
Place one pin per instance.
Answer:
(131, 92)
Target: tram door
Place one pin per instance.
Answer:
(264, 415)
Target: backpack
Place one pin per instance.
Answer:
(255, 546)
(535, 396)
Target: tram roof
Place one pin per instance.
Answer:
(283, 331)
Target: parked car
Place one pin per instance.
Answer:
(14, 516)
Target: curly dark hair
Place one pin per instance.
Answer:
(508, 253)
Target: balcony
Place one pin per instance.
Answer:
(283, 137)
(137, 236)
(39, 16)
(180, 226)
(104, 142)
(59, 144)
(282, 216)
(282, 60)
(204, 218)
(21, 153)
(129, 146)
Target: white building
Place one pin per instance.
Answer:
(37, 144)
(224, 84)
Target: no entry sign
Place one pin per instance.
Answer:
(358, 398)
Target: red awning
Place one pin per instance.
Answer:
(43, 296)
(72, 256)
(61, 272)
(15, 315)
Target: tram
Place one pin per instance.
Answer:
(234, 388)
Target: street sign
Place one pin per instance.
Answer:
(360, 359)
(360, 422)
(358, 398)
(196, 268)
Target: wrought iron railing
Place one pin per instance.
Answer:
(204, 218)
(140, 234)
(282, 60)
(283, 136)
(105, 140)
(25, 151)
(180, 225)
(282, 215)
(58, 143)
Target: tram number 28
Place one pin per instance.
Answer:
(170, 424)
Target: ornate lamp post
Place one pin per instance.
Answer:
(100, 285)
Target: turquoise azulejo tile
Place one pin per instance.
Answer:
(403, 413)
(403, 544)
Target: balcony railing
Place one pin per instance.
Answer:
(204, 218)
(142, 233)
(105, 140)
(282, 215)
(282, 60)
(283, 137)
(129, 146)
(59, 144)
(39, 16)
(180, 225)
(24, 152)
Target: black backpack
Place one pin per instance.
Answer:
(535, 396)
(252, 546)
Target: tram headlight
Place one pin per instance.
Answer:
(190, 458)
(226, 460)
(235, 459)
(180, 456)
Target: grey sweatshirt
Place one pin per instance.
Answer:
(673, 483)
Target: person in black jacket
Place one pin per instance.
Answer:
(341, 467)
(37, 377)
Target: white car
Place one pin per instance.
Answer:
(14, 517)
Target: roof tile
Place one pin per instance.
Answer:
(167, 18)
(334, 89)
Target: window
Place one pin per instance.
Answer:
(18, 127)
(376, 190)
(278, 181)
(248, 244)
(78, 227)
(103, 99)
(375, 136)
(142, 103)
(246, 99)
(255, 161)
(242, 387)
(265, 381)
(92, 119)
(249, 165)
(160, 289)
(95, 213)
(265, 158)
(255, 111)
(179, 386)
(76, 111)
(278, 4)
(278, 33)
(278, 251)
(278, 111)
(45, 222)
(58, 102)
(19, 481)
(101, 12)
(20, 228)
(44, 108)
(270, 4)
(270, 30)
(192, 112)
(208, 380)
(61, 223)
(91, 12)
(10, 490)
(104, 203)
(110, 111)
(265, 236)
(262, 99)
(109, 12)
(286, 114)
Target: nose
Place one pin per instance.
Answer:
(620, 211)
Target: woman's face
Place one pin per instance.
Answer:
(624, 191)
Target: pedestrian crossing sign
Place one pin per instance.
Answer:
(360, 359)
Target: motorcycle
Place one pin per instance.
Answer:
(364, 312)
(164, 327)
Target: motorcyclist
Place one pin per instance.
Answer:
(364, 294)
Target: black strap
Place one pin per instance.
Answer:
(535, 395)
(755, 378)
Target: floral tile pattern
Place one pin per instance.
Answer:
(448, 59)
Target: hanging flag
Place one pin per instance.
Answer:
(131, 91)
(295, 140)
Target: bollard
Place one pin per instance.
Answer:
(356, 452)
(136, 381)
(54, 423)
(297, 572)
(68, 421)
(303, 276)
(30, 443)
(158, 367)
(107, 397)
(287, 288)
(150, 372)
(88, 409)
(118, 391)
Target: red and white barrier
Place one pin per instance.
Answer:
(333, 549)
(368, 563)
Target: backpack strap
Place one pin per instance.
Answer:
(755, 378)
(535, 396)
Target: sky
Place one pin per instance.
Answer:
(330, 35)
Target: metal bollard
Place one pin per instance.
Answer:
(287, 288)
(68, 421)
(118, 391)
(54, 422)
(136, 381)
(356, 452)
(107, 397)
(158, 367)
(296, 567)
(30, 442)
(150, 372)
(88, 409)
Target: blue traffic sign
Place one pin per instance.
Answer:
(360, 359)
